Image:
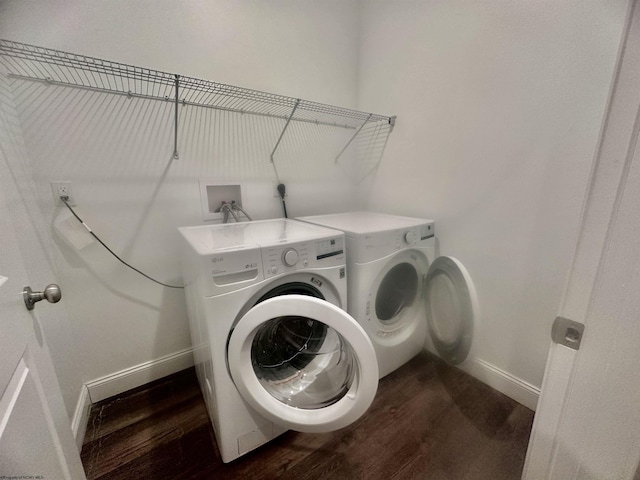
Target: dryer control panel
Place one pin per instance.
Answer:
(293, 256)
(412, 236)
(372, 246)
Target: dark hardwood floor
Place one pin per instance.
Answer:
(428, 421)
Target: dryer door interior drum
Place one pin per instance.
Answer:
(394, 299)
(397, 291)
(303, 362)
(452, 309)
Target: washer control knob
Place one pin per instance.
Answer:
(411, 237)
(274, 269)
(290, 257)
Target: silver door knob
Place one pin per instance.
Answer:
(51, 294)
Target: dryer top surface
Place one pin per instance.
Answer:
(206, 239)
(365, 222)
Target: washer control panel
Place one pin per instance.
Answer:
(279, 259)
(290, 257)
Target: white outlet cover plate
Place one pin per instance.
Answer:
(56, 195)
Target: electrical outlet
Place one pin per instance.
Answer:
(60, 189)
(276, 193)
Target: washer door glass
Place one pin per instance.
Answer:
(303, 362)
(452, 309)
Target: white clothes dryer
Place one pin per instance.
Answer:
(404, 296)
(273, 348)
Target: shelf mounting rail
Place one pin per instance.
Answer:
(40, 64)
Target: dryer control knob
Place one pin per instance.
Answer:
(411, 237)
(290, 257)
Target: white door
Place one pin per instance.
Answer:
(587, 424)
(35, 435)
(303, 363)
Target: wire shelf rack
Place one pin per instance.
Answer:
(41, 64)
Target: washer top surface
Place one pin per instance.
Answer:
(207, 239)
(365, 222)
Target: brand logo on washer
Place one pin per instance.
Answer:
(316, 281)
(217, 259)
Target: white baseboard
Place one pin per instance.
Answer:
(513, 387)
(81, 416)
(139, 375)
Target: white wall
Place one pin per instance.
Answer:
(117, 151)
(299, 49)
(499, 108)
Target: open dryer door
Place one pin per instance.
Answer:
(303, 363)
(452, 309)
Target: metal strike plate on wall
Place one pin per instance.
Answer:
(567, 332)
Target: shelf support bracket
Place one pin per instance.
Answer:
(286, 125)
(352, 138)
(176, 156)
(392, 122)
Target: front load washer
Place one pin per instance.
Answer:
(273, 348)
(404, 296)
